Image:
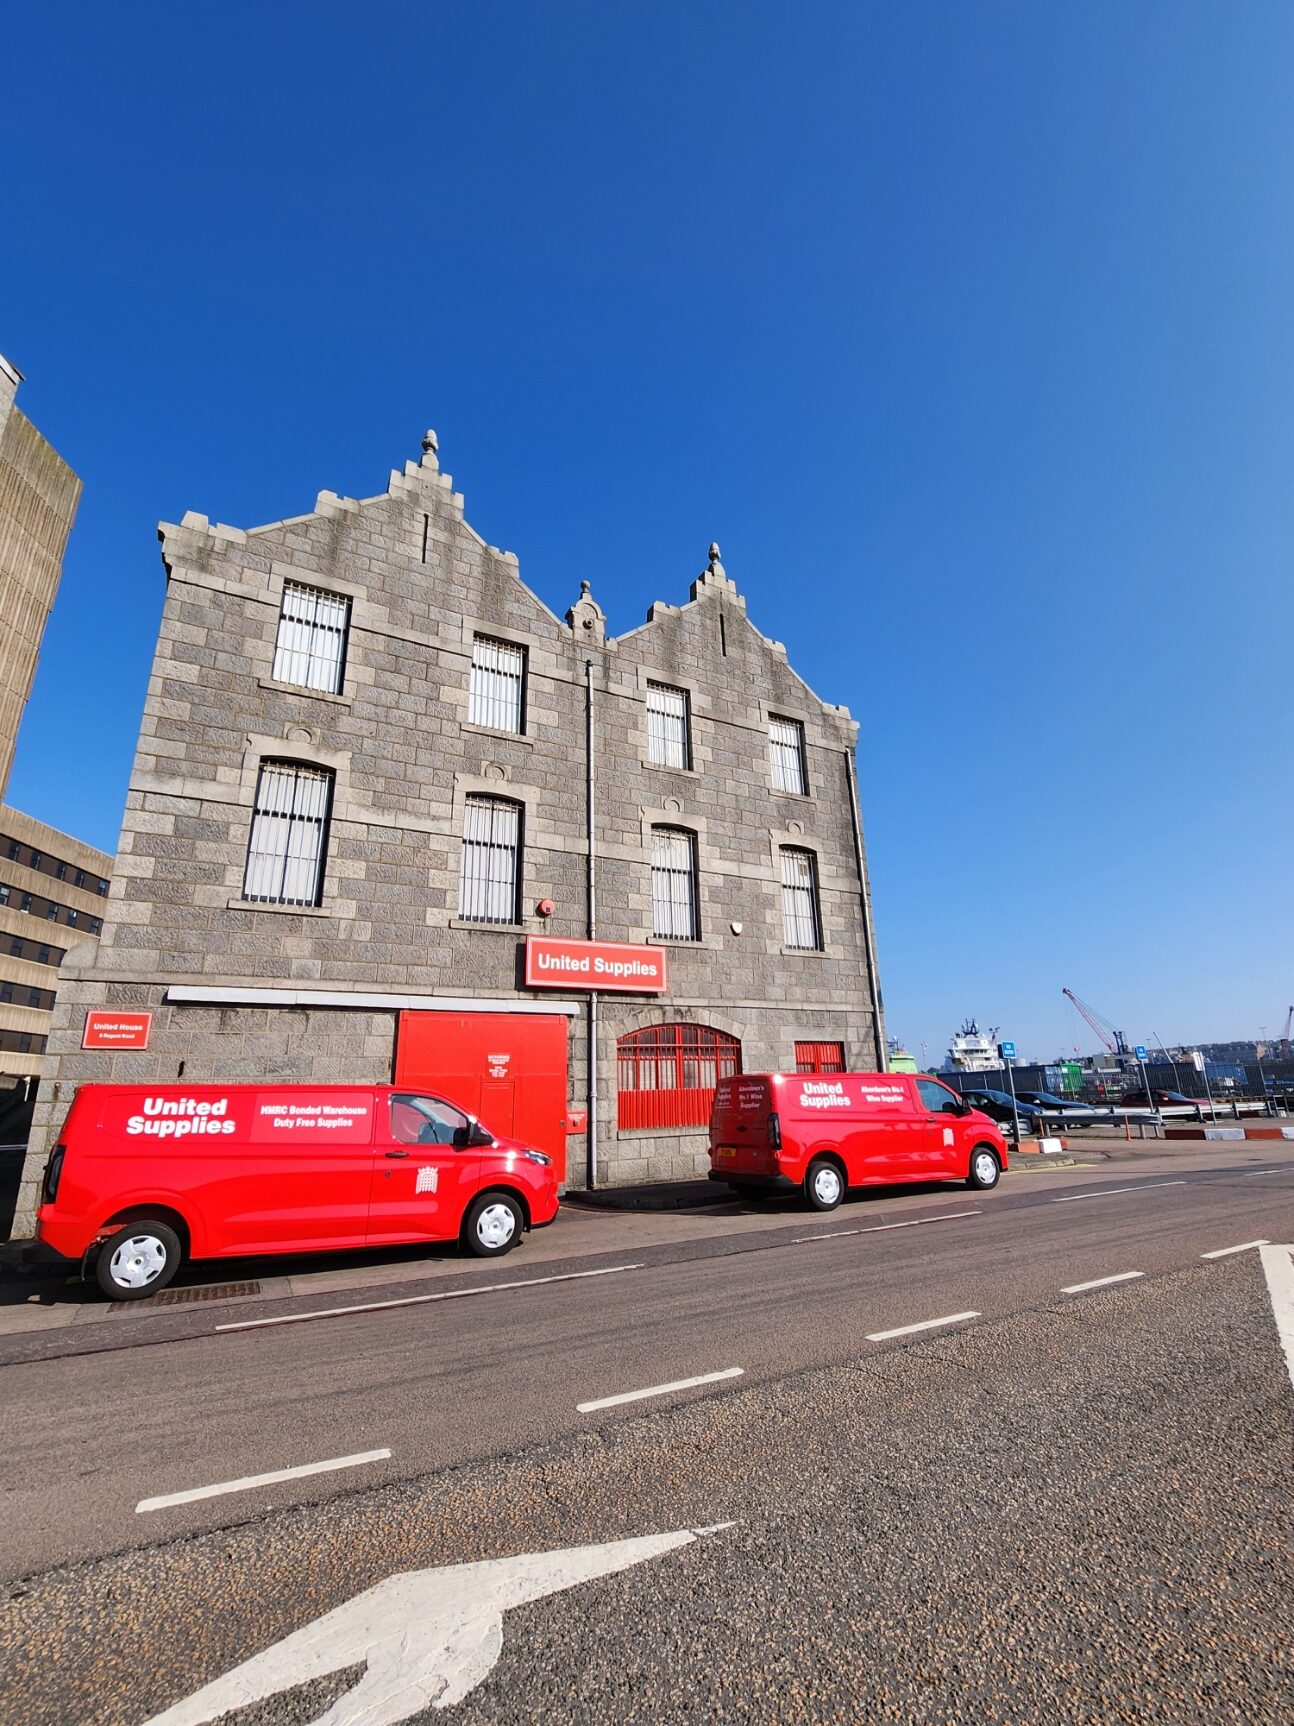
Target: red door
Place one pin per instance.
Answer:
(508, 1069)
(942, 1113)
(885, 1135)
(421, 1180)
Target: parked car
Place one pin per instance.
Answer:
(821, 1135)
(1076, 1114)
(997, 1106)
(143, 1177)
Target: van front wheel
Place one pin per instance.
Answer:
(824, 1185)
(138, 1260)
(493, 1225)
(984, 1169)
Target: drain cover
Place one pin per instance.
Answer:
(191, 1297)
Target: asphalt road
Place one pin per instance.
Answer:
(1067, 1506)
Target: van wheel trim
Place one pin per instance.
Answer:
(984, 1170)
(496, 1225)
(826, 1186)
(138, 1261)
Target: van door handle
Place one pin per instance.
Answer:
(397, 1153)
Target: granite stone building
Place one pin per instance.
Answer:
(372, 763)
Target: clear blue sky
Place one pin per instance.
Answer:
(964, 326)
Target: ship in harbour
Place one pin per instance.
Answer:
(973, 1050)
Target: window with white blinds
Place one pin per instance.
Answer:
(673, 884)
(310, 649)
(786, 750)
(285, 854)
(668, 743)
(497, 688)
(801, 925)
(491, 872)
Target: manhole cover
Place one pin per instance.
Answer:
(191, 1297)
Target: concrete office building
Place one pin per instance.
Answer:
(372, 763)
(52, 891)
(38, 498)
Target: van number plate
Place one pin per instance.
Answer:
(722, 1151)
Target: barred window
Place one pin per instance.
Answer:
(491, 875)
(786, 752)
(667, 1074)
(819, 1057)
(285, 854)
(673, 884)
(310, 650)
(801, 925)
(668, 740)
(497, 689)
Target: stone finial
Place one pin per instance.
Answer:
(714, 575)
(430, 443)
(586, 617)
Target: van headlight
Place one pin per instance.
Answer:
(540, 1157)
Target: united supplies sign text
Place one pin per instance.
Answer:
(595, 965)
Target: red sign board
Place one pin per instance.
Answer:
(552, 964)
(107, 1030)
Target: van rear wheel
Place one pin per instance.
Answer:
(493, 1225)
(824, 1185)
(138, 1260)
(984, 1170)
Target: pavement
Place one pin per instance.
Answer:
(1054, 1505)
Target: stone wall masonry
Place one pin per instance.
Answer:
(405, 757)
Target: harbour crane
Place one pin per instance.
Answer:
(1285, 1035)
(1112, 1039)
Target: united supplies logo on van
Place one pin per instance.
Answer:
(823, 1095)
(178, 1117)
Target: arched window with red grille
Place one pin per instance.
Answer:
(667, 1074)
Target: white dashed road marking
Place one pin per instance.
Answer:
(422, 1300)
(880, 1228)
(1102, 1282)
(659, 1390)
(926, 1324)
(1225, 1252)
(249, 1481)
(1109, 1192)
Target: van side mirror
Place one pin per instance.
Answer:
(472, 1134)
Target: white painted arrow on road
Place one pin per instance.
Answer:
(1278, 1268)
(429, 1637)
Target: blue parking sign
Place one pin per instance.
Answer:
(1140, 1051)
(1007, 1051)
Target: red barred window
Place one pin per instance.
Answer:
(668, 1073)
(819, 1057)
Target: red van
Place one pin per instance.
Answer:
(144, 1176)
(825, 1134)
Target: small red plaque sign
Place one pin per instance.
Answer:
(105, 1029)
